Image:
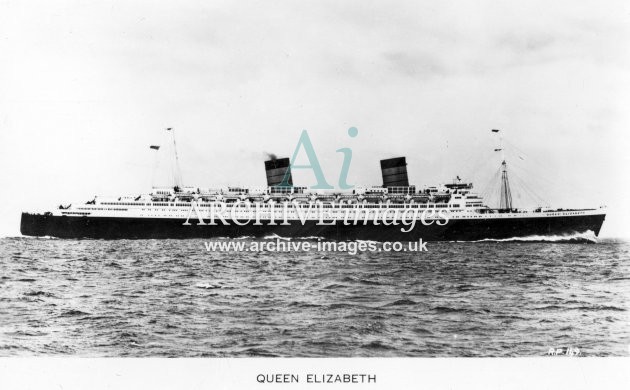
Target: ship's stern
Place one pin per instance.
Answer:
(34, 224)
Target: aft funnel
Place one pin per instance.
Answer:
(279, 172)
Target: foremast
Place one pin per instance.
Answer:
(505, 202)
(506, 195)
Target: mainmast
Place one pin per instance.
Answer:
(177, 174)
(505, 202)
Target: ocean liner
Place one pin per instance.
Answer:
(392, 211)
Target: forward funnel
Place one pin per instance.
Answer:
(394, 172)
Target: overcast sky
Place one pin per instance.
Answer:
(86, 87)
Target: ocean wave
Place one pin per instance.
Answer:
(274, 236)
(588, 236)
(379, 345)
(39, 293)
(21, 237)
(261, 303)
(73, 313)
(206, 285)
(402, 302)
(303, 304)
(258, 352)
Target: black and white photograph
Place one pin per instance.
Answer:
(302, 194)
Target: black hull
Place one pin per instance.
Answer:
(454, 230)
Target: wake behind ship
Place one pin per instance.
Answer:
(394, 211)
